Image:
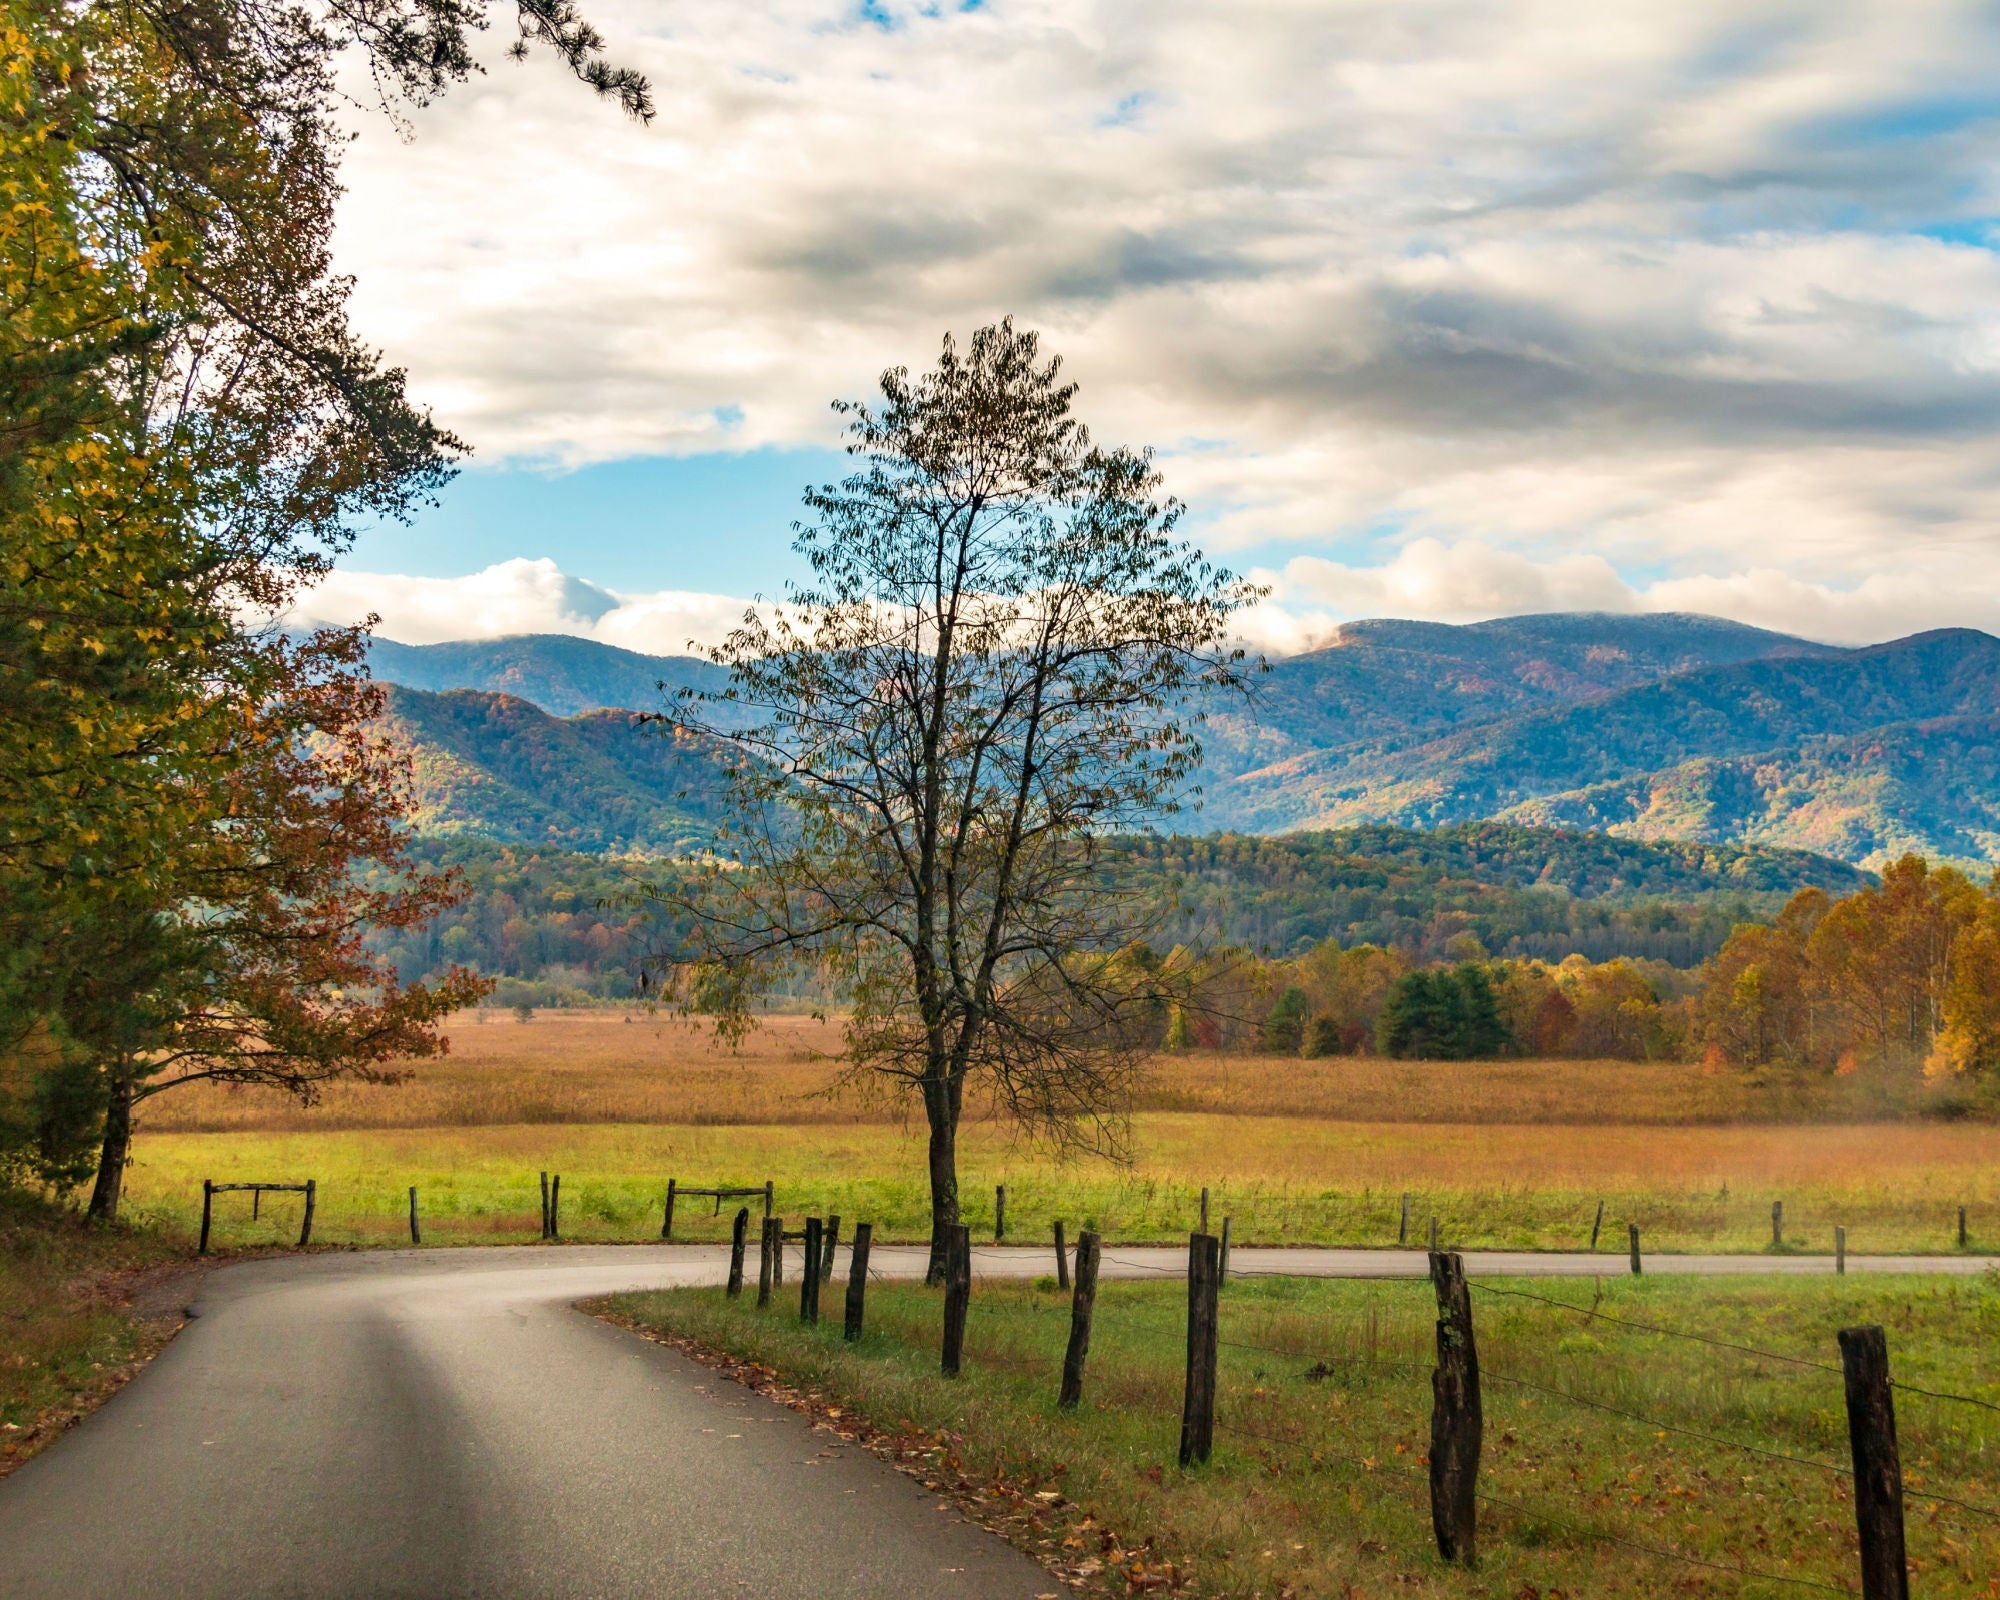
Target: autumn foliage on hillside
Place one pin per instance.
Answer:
(1902, 974)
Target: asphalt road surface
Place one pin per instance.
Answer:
(441, 1423)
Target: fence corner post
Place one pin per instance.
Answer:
(667, 1220)
(1457, 1421)
(306, 1227)
(1198, 1397)
(857, 1281)
(1878, 1470)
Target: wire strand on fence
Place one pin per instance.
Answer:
(1724, 1344)
(1630, 1416)
(1664, 1551)
(1647, 1327)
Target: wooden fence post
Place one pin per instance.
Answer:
(738, 1235)
(207, 1210)
(1961, 1227)
(767, 1196)
(1457, 1423)
(857, 1280)
(1878, 1470)
(829, 1242)
(1062, 1258)
(809, 1279)
(1637, 1266)
(999, 1212)
(1222, 1272)
(1840, 1251)
(777, 1252)
(1204, 1208)
(1198, 1397)
(1777, 1224)
(1403, 1232)
(416, 1237)
(545, 1205)
(764, 1253)
(555, 1206)
(306, 1227)
(957, 1295)
(1597, 1227)
(667, 1222)
(1083, 1301)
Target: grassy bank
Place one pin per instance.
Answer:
(1318, 1482)
(1283, 1180)
(66, 1335)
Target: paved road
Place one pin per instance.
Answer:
(440, 1424)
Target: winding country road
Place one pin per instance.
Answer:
(441, 1423)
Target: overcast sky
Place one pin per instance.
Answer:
(1431, 309)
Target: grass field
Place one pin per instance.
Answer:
(1318, 1486)
(64, 1335)
(1504, 1154)
(629, 1067)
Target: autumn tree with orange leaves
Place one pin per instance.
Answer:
(1903, 974)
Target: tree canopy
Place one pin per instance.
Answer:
(1001, 657)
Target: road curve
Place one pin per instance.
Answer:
(441, 1423)
(438, 1424)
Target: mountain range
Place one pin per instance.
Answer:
(1645, 727)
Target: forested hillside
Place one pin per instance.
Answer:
(1865, 714)
(497, 767)
(1653, 727)
(565, 924)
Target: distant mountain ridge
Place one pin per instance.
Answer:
(561, 674)
(1646, 727)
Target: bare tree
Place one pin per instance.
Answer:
(1000, 660)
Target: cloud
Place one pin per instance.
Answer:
(1310, 598)
(1661, 285)
(513, 597)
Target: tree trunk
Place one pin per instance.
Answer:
(117, 1149)
(941, 1109)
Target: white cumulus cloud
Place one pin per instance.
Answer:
(1696, 289)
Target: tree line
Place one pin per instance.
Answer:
(1901, 976)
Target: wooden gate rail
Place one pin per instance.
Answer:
(210, 1189)
(675, 1189)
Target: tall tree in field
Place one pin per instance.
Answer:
(1001, 658)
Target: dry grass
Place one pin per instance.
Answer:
(1510, 1154)
(1284, 1180)
(564, 1067)
(584, 1067)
